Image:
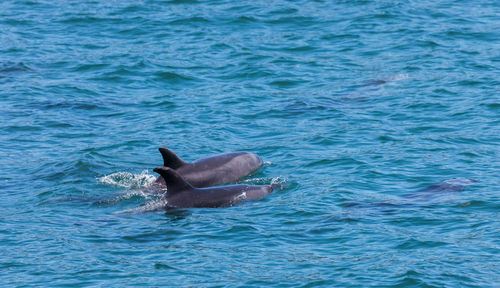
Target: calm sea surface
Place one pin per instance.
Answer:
(351, 104)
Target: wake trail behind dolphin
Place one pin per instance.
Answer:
(129, 180)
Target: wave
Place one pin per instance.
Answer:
(129, 180)
(150, 206)
(276, 182)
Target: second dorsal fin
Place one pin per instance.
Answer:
(175, 183)
(170, 159)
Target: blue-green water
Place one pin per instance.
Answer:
(351, 104)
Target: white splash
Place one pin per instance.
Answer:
(253, 180)
(129, 180)
(278, 180)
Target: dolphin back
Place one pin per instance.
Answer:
(170, 159)
(175, 183)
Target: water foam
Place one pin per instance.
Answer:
(129, 180)
(276, 182)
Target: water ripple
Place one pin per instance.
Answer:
(351, 104)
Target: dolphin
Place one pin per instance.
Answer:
(450, 185)
(181, 194)
(211, 171)
(422, 196)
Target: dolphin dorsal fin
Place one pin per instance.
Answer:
(175, 182)
(170, 159)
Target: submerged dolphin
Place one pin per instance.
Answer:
(214, 170)
(422, 196)
(181, 194)
(450, 185)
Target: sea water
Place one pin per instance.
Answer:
(351, 104)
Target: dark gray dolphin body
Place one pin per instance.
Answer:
(214, 170)
(181, 194)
